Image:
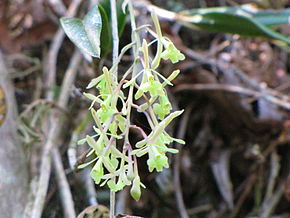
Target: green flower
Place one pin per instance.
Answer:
(116, 186)
(156, 160)
(143, 88)
(97, 171)
(172, 53)
(102, 87)
(163, 108)
(106, 114)
(111, 164)
(155, 88)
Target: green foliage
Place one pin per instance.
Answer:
(121, 14)
(114, 167)
(93, 34)
(245, 20)
(106, 36)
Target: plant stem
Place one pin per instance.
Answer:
(135, 37)
(115, 33)
(137, 44)
(115, 37)
(112, 203)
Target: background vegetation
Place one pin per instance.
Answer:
(234, 90)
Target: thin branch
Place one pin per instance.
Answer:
(50, 67)
(217, 87)
(90, 187)
(248, 187)
(57, 6)
(52, 139)
(271, 203)
(274, 172)
(63, 186)
(177, 185)
(220, 169)
(234, 89)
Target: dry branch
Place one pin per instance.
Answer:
(178, 191)
(54, 131)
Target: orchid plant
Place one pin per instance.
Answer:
(111, 165)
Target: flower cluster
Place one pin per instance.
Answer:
(118, 167)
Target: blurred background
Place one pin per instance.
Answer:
(234, 89)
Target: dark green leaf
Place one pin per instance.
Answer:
(121, 17)
(244, 20)
(106, 34)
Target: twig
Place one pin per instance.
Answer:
(199, 209)
(234, 89)
(71, 151)
(72, 147)
(37, 102)
(216, 87)
(248, 187)
(63, 186)
(57, 6)
(90, 187)
(274, 171)
(270, 204)
(220, 168)
(85, 176)
(177, 185)
(270, 95)
(55, 128)
(50, 67)
(161, 13)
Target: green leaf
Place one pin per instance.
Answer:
(265, 17)
(85, 34)
(106, 34)
(272, 17)
(121, 16)
(242, 20)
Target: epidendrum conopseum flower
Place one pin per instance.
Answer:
(111, 111)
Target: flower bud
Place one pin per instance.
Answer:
(136, 190)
